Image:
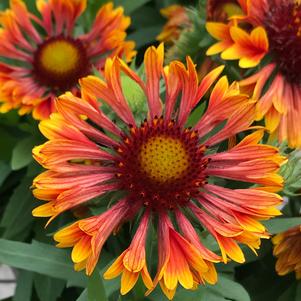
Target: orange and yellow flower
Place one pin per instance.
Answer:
(42, 57)
(287, 250)
(218, 10)
(267, 29)
(162, 167)
(177, 19)
(132, 262)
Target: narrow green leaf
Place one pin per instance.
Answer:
(196, 115)
(83, 296)
(41, 258)
(278, 225)
(4, 171)
(17, 215)
(48, 288)
(10, 141)
(298, 291)
(24, 286)
(22, 153)
(96, 289)
(130, 5)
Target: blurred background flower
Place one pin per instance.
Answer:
(267, 32)
(44, 56)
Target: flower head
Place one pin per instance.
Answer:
(163, 169)
(287, 250)
(220, 10)
(41, 64)
(177, 17)
(267, 29)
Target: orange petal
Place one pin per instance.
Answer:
(128, 280)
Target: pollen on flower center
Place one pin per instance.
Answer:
(164, 158)
(59, 62)
(161, 164)
(283, 25)
(59, 57)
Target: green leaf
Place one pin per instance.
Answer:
(3, 4)
(41, 258)
(4, 171)
(298, 291)
(289, 294)
(196, 115)
(24, 286)
(230, 289)
(135, 98)
(130, 5)
(6, 148)
(21, 155)
(225, 289)
(146, 16)
(48, 288)
(17, 215)
(96, 289)
(278, 225)
(191, 296)
(145, 35)
(83, 296)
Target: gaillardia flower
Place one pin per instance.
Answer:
(287, 250)
(269, 31)
(161, 170)
(218, 10)
(42, 57)
(177, 19)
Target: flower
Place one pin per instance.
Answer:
(221, 10)
(162, 170)
(287, 250)
(268, 29)
(177, 19)
(132, 261)
(42, 57)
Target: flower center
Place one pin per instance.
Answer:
(59, 62)
(164, 158)
(161, 165)
(283, 24)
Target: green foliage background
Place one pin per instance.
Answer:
(46, 273)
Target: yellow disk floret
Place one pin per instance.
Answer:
(164, 158)
(59, 57)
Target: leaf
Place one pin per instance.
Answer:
(41, 258)
(225, 289)
(288, 294)
(96, 289)
(21, 155)
(196, 115)
(6, 148)
(278, 225)
(48, 288)
(145, 35)
(130, 5)
(230, 289)
(24, 286)
(83, 296)
(17, 215)
(298, 291)
(146, 16)
(4, 171)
